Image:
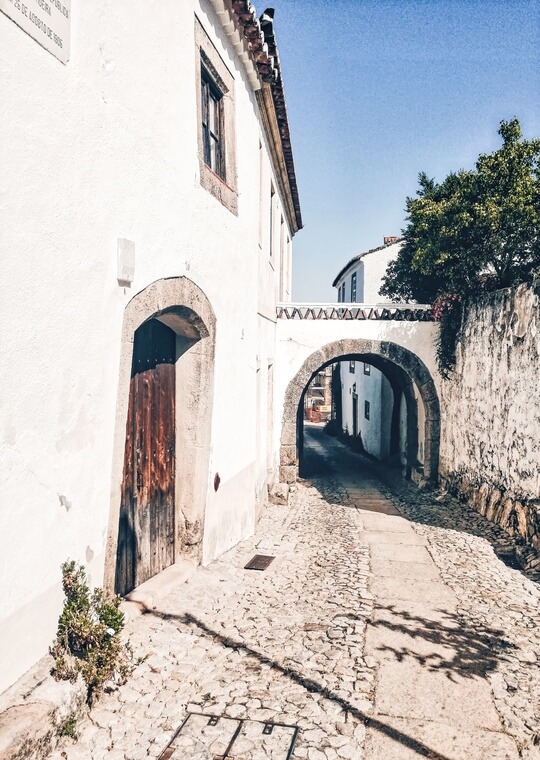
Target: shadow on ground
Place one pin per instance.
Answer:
(458, 650)
(308, 684)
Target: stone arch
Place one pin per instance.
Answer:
(408, 369)
(181, 305)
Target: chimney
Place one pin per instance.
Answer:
(390, 239)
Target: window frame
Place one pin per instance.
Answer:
(353, 287)
(210, 69)
(210, 92)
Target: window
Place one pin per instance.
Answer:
(366, 410)
(352, 366)
(262, 208)
(342, 293)
(272, 201)
(367, 369)
(353, 287)
(281, 258)
(215, 134)
(212, 124)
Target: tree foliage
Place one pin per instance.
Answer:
(476, 230)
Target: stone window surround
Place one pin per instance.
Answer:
(225, 191)
(183, 306)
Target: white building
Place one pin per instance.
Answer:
(372, 408)
(360, 280)
(147, 211)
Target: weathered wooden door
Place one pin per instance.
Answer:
(146, 525)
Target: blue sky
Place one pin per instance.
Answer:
(379, 90)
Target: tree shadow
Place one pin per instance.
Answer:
(308, 684)
(458, 649)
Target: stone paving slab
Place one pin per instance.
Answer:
(454, 743)
(393, 589)
(388, 552)
(404, 571)
(396, 539)
(405, 689)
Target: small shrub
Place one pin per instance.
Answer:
(69, 728)
(88, 638)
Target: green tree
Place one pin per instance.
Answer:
(476, 230)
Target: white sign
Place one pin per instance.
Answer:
(126, 260)
(47, 21)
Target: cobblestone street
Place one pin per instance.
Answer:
(379, 633)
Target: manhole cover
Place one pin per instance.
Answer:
(259, 562)
(211, 737)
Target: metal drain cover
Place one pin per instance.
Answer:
(259, 562)
(211, 737)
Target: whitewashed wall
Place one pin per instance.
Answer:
(102, 148)
(370, 270)
(375, 389)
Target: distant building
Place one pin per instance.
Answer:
(367, 408)
(360, 279)
(318, 398)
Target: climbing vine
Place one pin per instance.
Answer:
(447, 309)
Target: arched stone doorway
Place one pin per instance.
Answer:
(403, 369)
(169, 326)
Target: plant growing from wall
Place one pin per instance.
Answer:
(88, 638)
(448, 309)
(69, 727)
(476, 231)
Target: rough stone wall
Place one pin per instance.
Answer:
(490, 436)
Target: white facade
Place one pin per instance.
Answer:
(101, 149)
(366, 406)
(360, 280)
(366, 394)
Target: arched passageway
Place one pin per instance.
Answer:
(162, 433)
(406, 374)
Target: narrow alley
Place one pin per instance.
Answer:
(377, 636)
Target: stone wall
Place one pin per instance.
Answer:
(490, 436)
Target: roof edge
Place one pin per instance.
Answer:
(259, 42)
(361, 256)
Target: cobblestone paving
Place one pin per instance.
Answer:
(289, 644)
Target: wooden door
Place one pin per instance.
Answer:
(355, 414)
(146, 525)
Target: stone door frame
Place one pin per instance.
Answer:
(181, 305)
